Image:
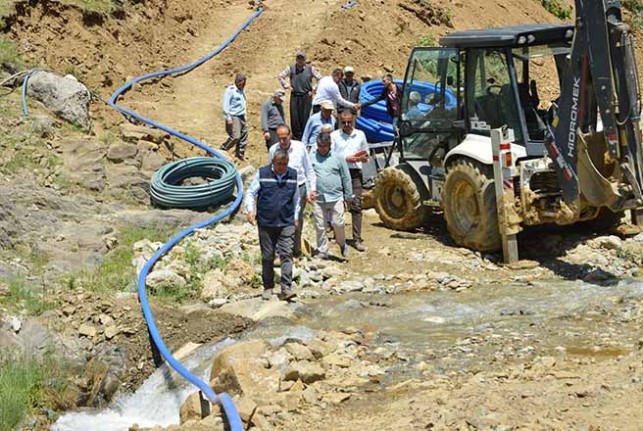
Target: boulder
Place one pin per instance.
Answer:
(120, 152)
(213, 285)
(64, 96)
(240, 369)
(196, 407)
(134, 133)
(164, 278)
(306, 371)
(257, 310)
(84, 164)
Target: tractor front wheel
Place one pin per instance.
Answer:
(398, 201)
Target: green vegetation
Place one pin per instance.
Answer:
(426, 40)
(116, 271)
(102, 6)
(558, 8)
(9, 53)
(636, 7)
(23, 298)
(28, 384)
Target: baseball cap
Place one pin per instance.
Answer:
(327, 104)
(349, 69)
(300, 54)
(281, 94)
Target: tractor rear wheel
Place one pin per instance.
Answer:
(398, 201)
(469, 202)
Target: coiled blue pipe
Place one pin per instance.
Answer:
(374, 120)
(166, 191)
(231, 414)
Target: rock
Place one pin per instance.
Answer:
(299, 352)
(42, 125)
(319, 348)
(338, 361)
(258, 310)
(246, 408)
(87, 330)
(83, 163)
(306, 371)
(65, 96)
(125, 177)
(610, 242)
(213, 285)
(151, 162)
(15, 324)
(121, 152)
(134, 133)
(311, 396)
(239, 369)
(335, 398)
(437, 320)
(111, 332)
(195, 407)
(164, 278)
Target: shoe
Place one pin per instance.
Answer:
(343, 249)
(287, 294)
(266, 295)
(359, 246)
(322, 255)
(224, 148)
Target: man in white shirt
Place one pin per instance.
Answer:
(306, 180)
(327, 89)
(351, 144)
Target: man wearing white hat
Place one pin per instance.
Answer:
(315, 124)
(272, 116)
(349, 87)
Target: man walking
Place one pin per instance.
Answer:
(306, 181)
(301, 87)
(315, 124)
(349, 87)
(234, 110)
(351, 144)
(273, 192)
(333, 188)
(327, 89)
(272, 116)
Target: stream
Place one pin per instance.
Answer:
(447, 329)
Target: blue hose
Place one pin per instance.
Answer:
(375, 121)
(25, 109)
(223, 399)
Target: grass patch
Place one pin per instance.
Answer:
(426, 40)
(28, 384)
(558, 8)
(101, 6)
(636, 7)
(116, 272)
(22, 298)
(9, 53)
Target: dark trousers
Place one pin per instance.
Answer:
(273, 138)
(302, 206)
(356, 205)
(237, 135)
(279, 240)
(316, 109)
(299, 113)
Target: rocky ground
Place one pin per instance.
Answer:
(76, 225)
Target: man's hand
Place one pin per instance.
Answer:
(310, 94)
(364, 158)
(357, 106)
(312, 196)
(296, 224)
(266, 136)
(250, 216)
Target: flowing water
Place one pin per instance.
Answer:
(424, 326)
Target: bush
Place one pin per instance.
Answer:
(426, 40)
(557, 8)
(636, 7)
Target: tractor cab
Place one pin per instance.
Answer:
(477, 81)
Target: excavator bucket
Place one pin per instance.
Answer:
(592, 170)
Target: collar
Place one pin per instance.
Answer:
(352, 134)
(326, 156)
(279, 177)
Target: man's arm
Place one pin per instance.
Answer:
(308, 130)
(251, 197)
(346, 179)
(297, 205)
(282, 78)
(265, 109)
(227, 95)
(271, 152)
(316, 73)
(310, 173)
(377, 99)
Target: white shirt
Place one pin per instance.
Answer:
(347, 145)
(298, 160)
(327, 89)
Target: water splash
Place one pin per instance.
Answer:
(156, 402)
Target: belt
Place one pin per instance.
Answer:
(299, 94)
